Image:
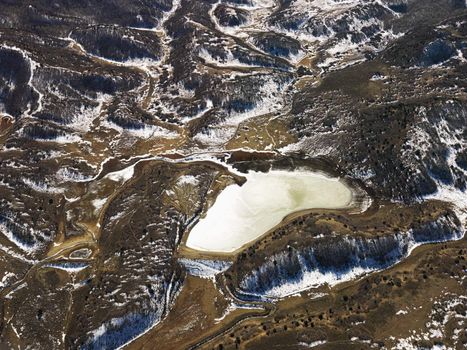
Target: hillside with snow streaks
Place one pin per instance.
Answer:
(122, 122)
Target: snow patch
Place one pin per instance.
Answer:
(205, 268)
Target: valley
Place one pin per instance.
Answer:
(233, 174)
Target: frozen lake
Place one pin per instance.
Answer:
(241, 214)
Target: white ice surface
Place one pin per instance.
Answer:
(244, 213)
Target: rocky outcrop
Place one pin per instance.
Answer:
(16, 93)
(228, 16)
(118, 44)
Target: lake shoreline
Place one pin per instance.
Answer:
(355, 200)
